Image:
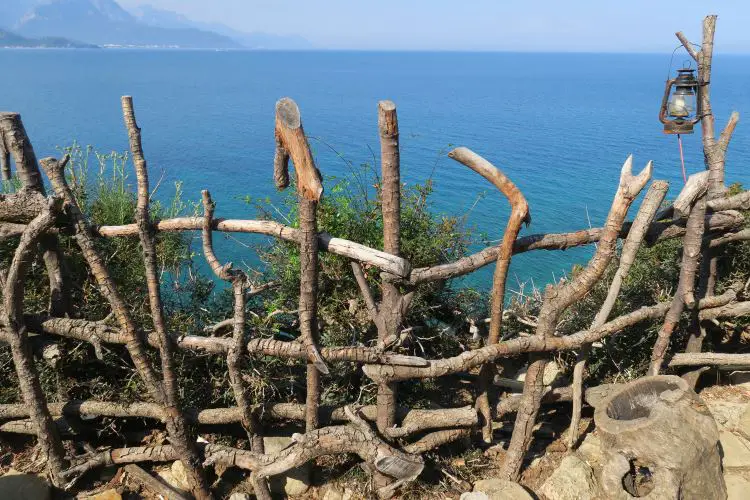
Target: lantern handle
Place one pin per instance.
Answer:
(671, 60)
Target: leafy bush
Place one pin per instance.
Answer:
(350, 210)
(436, 326)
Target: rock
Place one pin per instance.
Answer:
(176, 477)
(727, 414)
(474, 495)
(331, 492)
(498, 489)
(590, 450)
(572, 480)
(736, 450)
(296, 481)
(239, 496)
(738, 485)
(551, 371)
(597, 394)
(24, 487)
(659, 437)
(741, 378)
(105, 495)
(52, 354)
(743, 423)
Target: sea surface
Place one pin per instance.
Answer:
(560, 125)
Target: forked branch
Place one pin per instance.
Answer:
(182, 437)
(651, 203)
(16, 334)
(290, 136)
(519, 214)
(557, 299)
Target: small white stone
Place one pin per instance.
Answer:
(736, 450)
(176, 477)
(738, 485)
(474, 495)
(572, 480)
(294, 482)
(499, 489)
(240, 496)
(331, 492)
(551, 372)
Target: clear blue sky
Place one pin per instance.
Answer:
(517, 25)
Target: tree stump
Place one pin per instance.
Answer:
(659, 442)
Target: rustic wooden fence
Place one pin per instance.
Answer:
(703, 216)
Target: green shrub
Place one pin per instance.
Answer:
(436, 326)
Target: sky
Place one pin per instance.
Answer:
(518, 25)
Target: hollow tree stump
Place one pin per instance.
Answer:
(659, 442)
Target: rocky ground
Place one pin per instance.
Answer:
(575, 476)
(552, 473)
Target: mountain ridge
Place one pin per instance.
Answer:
(9, 39)
(107, 23)
(153, 16)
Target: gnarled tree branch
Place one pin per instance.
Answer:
(519, 215)
(182, 438)
(637, 233)
(16, 334)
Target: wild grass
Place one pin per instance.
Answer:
(438, 324)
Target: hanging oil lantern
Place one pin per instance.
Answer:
(680, 106)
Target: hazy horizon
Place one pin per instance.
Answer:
(587, 26)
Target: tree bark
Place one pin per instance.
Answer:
(16, 333)
(658, 231)
(134, 343)
(518, 216)
(356, 438)
(412, 421)
(651, 203)
(4, 160)
(714, 152)
(383, 366)
(15, 140)
(290, 137)
(390, 311)
(557, 299)
(238, 280)
(691, 250)
(181, 435)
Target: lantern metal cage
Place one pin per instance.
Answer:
(680, 107)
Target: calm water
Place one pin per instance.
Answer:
(559, 125)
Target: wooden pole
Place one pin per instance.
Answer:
(557, 299)
(16, 141)
(179, 432)
(16, 333)
(714, 152)
(390, 310)
(291, 141)
(519, 215)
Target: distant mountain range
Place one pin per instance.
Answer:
(106, 23)
(159, 18)
(8, 39)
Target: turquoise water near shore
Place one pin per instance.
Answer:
(560, 125)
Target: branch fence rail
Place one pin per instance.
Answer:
(702, 216)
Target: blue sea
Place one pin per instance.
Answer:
(560, 125)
